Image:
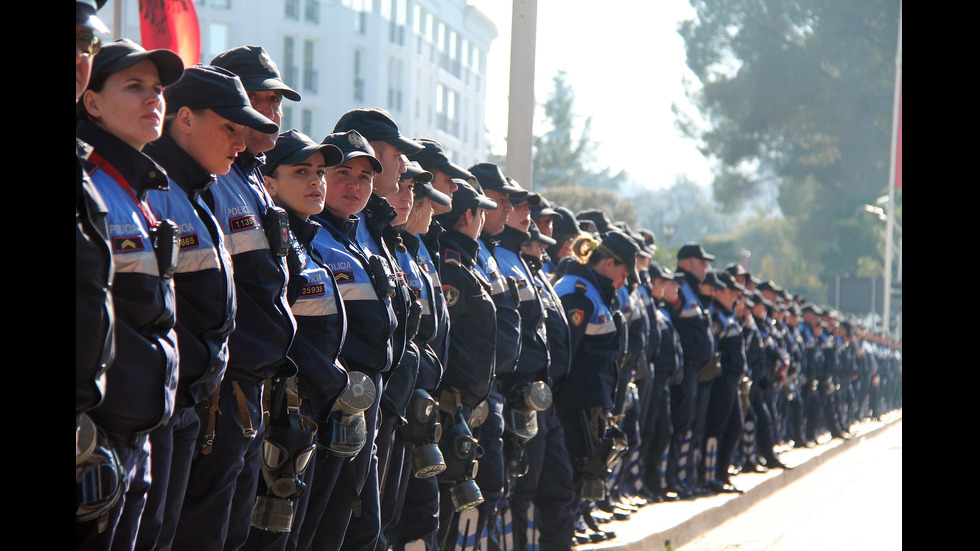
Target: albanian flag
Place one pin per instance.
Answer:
(171, 24)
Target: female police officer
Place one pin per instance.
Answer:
(586, 397)
(122, 110)
(197, 145)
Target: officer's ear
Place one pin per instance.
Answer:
(91, 101)
(270, 184)
(184, 121)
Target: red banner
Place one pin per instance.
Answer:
(171, 24)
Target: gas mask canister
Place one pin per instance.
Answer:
(344, 432)
(461, 452)
(288, 448)
(424, 431)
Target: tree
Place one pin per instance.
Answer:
(560, 157)
(797, 96)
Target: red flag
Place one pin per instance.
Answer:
(898, 145)
(171, 24)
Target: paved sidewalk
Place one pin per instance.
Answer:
(671, 524)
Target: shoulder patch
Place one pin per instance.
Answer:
(127, 244)
(576, 316)
(581, 286)
(451, 293)
(452, 257)
(343, 276)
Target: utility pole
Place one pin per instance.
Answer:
(520, 115)
(890, 224)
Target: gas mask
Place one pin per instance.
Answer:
(288, 448)
(524, 401)
(424, 431)
(461, 452)
(344, 431)
(98, 475)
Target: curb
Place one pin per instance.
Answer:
(670, 525)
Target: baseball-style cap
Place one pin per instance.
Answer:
(376, 125)
(85, 15)
(693, 250)
(415, 172)
(598, 218)
(622, 247)
(217, 89)
(729, 280)
(293, 147)
(467, 197)
(124, 53)
(542, 207)
(352, 144)
(536, 235)
(565, 226)
(491, 178)
(432, 157)
(711, 278)
(255, 67)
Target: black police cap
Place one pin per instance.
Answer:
(711, 278)
(256, 68)
(376, 125)
(433, 157)
(352, 144)
(693, 250)
(729, 280)
(491, 178)
(541, 207)
(597, 217)
(85, 15)
(466, 197)
(294, 147)
(564, 226)
(217, 89)
(536, 235)
(124, 53)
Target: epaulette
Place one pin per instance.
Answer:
(452, 257)
(581, 287)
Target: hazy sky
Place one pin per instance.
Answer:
(625, 63)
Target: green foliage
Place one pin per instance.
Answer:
(798, 97)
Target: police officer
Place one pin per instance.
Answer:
(94, 341)
(472, 357)
(545, 495)
(195, 147)
(692, 323)
(224, 476)
(667, 361)
(121, 111)
(410, 500)
(294, 176)
(94, 331)
(492, 478)
(367, 288)
(597, 340)
(381, 240)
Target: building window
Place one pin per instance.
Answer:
(217, 39)
(292, 9)
(310, 75)
(358, 77)
(290, 71)
(311, 12)
(221, 4)
(306, 125)
(395, 84)
(287, 117)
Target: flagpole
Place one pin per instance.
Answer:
(890, 224)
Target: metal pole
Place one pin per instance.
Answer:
(890, 229)
(520, 115)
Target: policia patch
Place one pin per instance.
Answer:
(452, 294)
(576, 316)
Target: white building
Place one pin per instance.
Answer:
(422, 60)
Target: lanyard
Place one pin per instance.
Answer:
(107, 167)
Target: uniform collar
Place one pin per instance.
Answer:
(248, 162)
(512, 239)
(456, 239)
(346, 226)
(140, 171)
(180, 166)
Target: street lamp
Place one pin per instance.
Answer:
(668, 231)
(882, 209)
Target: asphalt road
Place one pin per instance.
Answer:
(851, 502)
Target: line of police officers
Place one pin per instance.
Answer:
(357, 344)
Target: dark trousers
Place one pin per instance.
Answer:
(548, 486)
(328, 515)
(723, 424)
(683, 404)
(173, 447)
(119, 531)
(657, 432)
(419, 516)
(220, 496)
